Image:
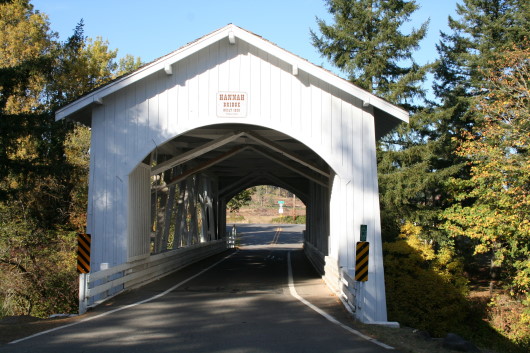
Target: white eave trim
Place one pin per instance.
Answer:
(323, 74)
(296, 62)
(146, 71)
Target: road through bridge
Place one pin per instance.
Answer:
(175, 140)
(263, 297)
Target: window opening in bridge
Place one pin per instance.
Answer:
(262, 204)
(179, 212)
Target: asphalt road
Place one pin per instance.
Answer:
(255, 299)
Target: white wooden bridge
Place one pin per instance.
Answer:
(174, 141)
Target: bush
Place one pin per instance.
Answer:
(509, 317)
(289, 220)
(40, 278)
(425, 289)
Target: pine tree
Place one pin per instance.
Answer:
(486, 200)
(415, 170)
(483, 30)
(366, 43)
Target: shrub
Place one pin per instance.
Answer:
(289, 220)
(426, 289)
(509, 317)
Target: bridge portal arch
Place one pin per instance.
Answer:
(231, 158)
(227, 110)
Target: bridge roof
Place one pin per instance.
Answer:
(387, 115)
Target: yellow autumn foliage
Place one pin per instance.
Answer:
(426, 289)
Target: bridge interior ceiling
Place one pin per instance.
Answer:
(240, 156)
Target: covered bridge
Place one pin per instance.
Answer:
(174, 141)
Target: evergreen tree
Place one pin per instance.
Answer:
(420, 159)
(483, 30)
(366, 42)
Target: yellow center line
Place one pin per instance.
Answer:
(276, 236)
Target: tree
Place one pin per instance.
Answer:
(492, 207)
(30, 193)
(43, 163)
(240, 200)
(483, 30)
(418, 159)
(366, 42)
(128, 64)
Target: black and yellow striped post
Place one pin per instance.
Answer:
(83, 253)
(361, 261)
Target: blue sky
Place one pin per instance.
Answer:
(153, 28)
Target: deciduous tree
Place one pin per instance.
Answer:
(492, 207)
(43, 163)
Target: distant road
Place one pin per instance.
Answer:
(240, 302)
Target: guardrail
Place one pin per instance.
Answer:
(336, 278)
(102, 285)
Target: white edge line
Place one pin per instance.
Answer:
(330, 318)
(126, 306)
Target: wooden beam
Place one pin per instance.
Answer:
(288, 166)
(251, 176)
(284, 184)
(206, 165)
(231, 37)
(234, 187)
(196, 152)
(295, 70)
(275, 147)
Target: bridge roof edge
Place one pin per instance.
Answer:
(80, 109)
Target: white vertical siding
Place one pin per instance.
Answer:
(139, 212)
(213, 77)
(149, 112)
(375, 297)
(182, 92)
(244, 68)
(265, 91)
(305, 104)
(326, 122)
(159, 107)
(98, 192)
(275, 91)
(255, 68)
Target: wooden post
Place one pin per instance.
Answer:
(167, 219)
(161, 201)
(294, 207)
(83, 302)
(192, 211)
(180, 217)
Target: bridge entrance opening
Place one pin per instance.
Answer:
(195, 176)
(265, 204)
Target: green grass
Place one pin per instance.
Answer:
(289, 220)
